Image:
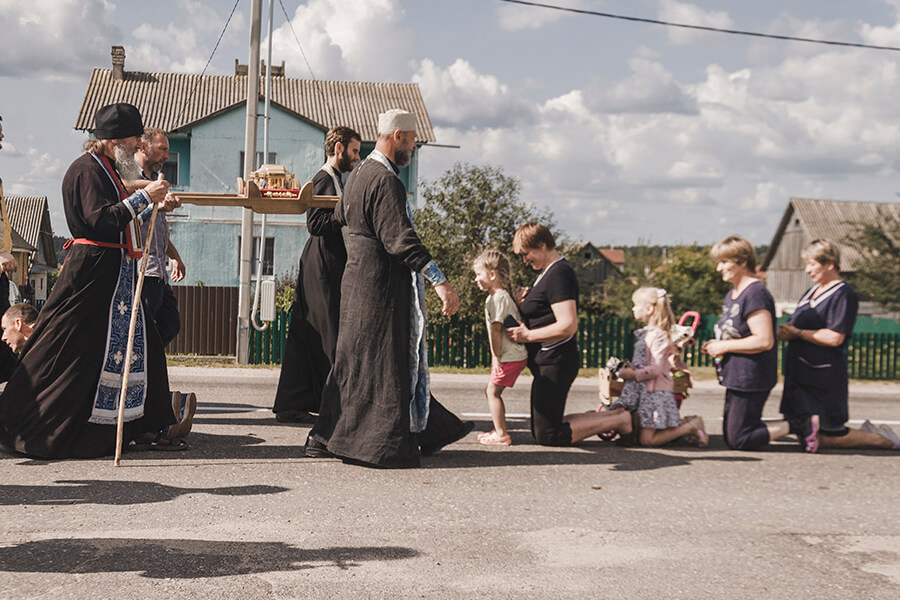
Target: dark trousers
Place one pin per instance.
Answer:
(161, 306)
(548, 402)
(742, 424)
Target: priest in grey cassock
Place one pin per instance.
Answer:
(61, 400)
(378, 394)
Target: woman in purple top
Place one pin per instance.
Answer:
(815, 369)
(745, 354)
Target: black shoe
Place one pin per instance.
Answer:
(295, 416)
(429, 449)
(316, 449)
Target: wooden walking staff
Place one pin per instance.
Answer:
(135, 306)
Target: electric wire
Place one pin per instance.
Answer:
(773, 36)
(200, 77)
(316, 82)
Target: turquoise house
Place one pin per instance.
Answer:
(205, 118)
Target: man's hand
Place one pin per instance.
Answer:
(178, 269)
(448, 296)
(169, 203)
(8, 263)
(158, 190)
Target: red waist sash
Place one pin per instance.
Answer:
(85, 241)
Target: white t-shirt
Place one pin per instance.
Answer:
(496, 308)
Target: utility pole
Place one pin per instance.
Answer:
(243, 328)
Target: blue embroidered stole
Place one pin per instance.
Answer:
(109, 388)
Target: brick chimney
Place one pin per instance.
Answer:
(118, 63)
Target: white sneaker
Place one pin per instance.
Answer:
(868, 427)
(890, 434)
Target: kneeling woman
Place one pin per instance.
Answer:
(550, 311)
(744, 349)
(815, 371)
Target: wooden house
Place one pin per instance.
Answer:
(29, 217)
(805, 220)
(205, 119)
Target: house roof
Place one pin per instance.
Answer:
(27, 214)
(18, 242)
(616, 257)
(835, 221)
(174, 102)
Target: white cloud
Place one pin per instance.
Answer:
(55, 39)
(460, 96)
(614, 171)
(518, 17)
(691, 14)
(347, 39)
(42, 166)
(649, 89)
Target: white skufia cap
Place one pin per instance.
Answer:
(394, 119)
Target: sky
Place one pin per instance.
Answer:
(629, 132)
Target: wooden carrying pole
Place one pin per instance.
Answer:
(120, 421)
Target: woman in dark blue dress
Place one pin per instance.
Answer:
(815, 369)
(744, 349)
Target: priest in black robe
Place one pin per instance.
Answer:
(59, 401)
(312, 335)
(378, 395)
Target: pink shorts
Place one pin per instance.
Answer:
(506, 373)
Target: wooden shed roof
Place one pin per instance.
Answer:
(173, 101)
(835, 221)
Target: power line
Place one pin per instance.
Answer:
(200, 77)
(703, 27)
(325, 101)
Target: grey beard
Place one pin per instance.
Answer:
(127, 167)
(402, 157)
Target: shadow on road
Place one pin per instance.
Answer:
(619, 458)
(183, 559)
(94, 491)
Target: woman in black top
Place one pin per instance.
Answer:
(550, 313)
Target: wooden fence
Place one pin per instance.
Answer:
(208, 320)
(871, 355)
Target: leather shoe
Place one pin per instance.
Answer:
(316, 449)
(295, 416)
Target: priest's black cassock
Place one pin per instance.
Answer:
(312, 336)
(48, 400)
(366, 399)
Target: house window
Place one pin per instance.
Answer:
(268, 262)
(170, 169)
(273, 156)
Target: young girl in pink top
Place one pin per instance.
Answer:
(649, 387)
(507, 357)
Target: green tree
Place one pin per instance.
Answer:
(877, 277)
(466, 210)
(690, 277)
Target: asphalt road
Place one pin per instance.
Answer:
(243, 515)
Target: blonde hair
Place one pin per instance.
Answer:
(531, 236)
(658, 298)
(736, 249)
(494, 260)
(822, 251)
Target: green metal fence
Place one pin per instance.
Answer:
(870, 355)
